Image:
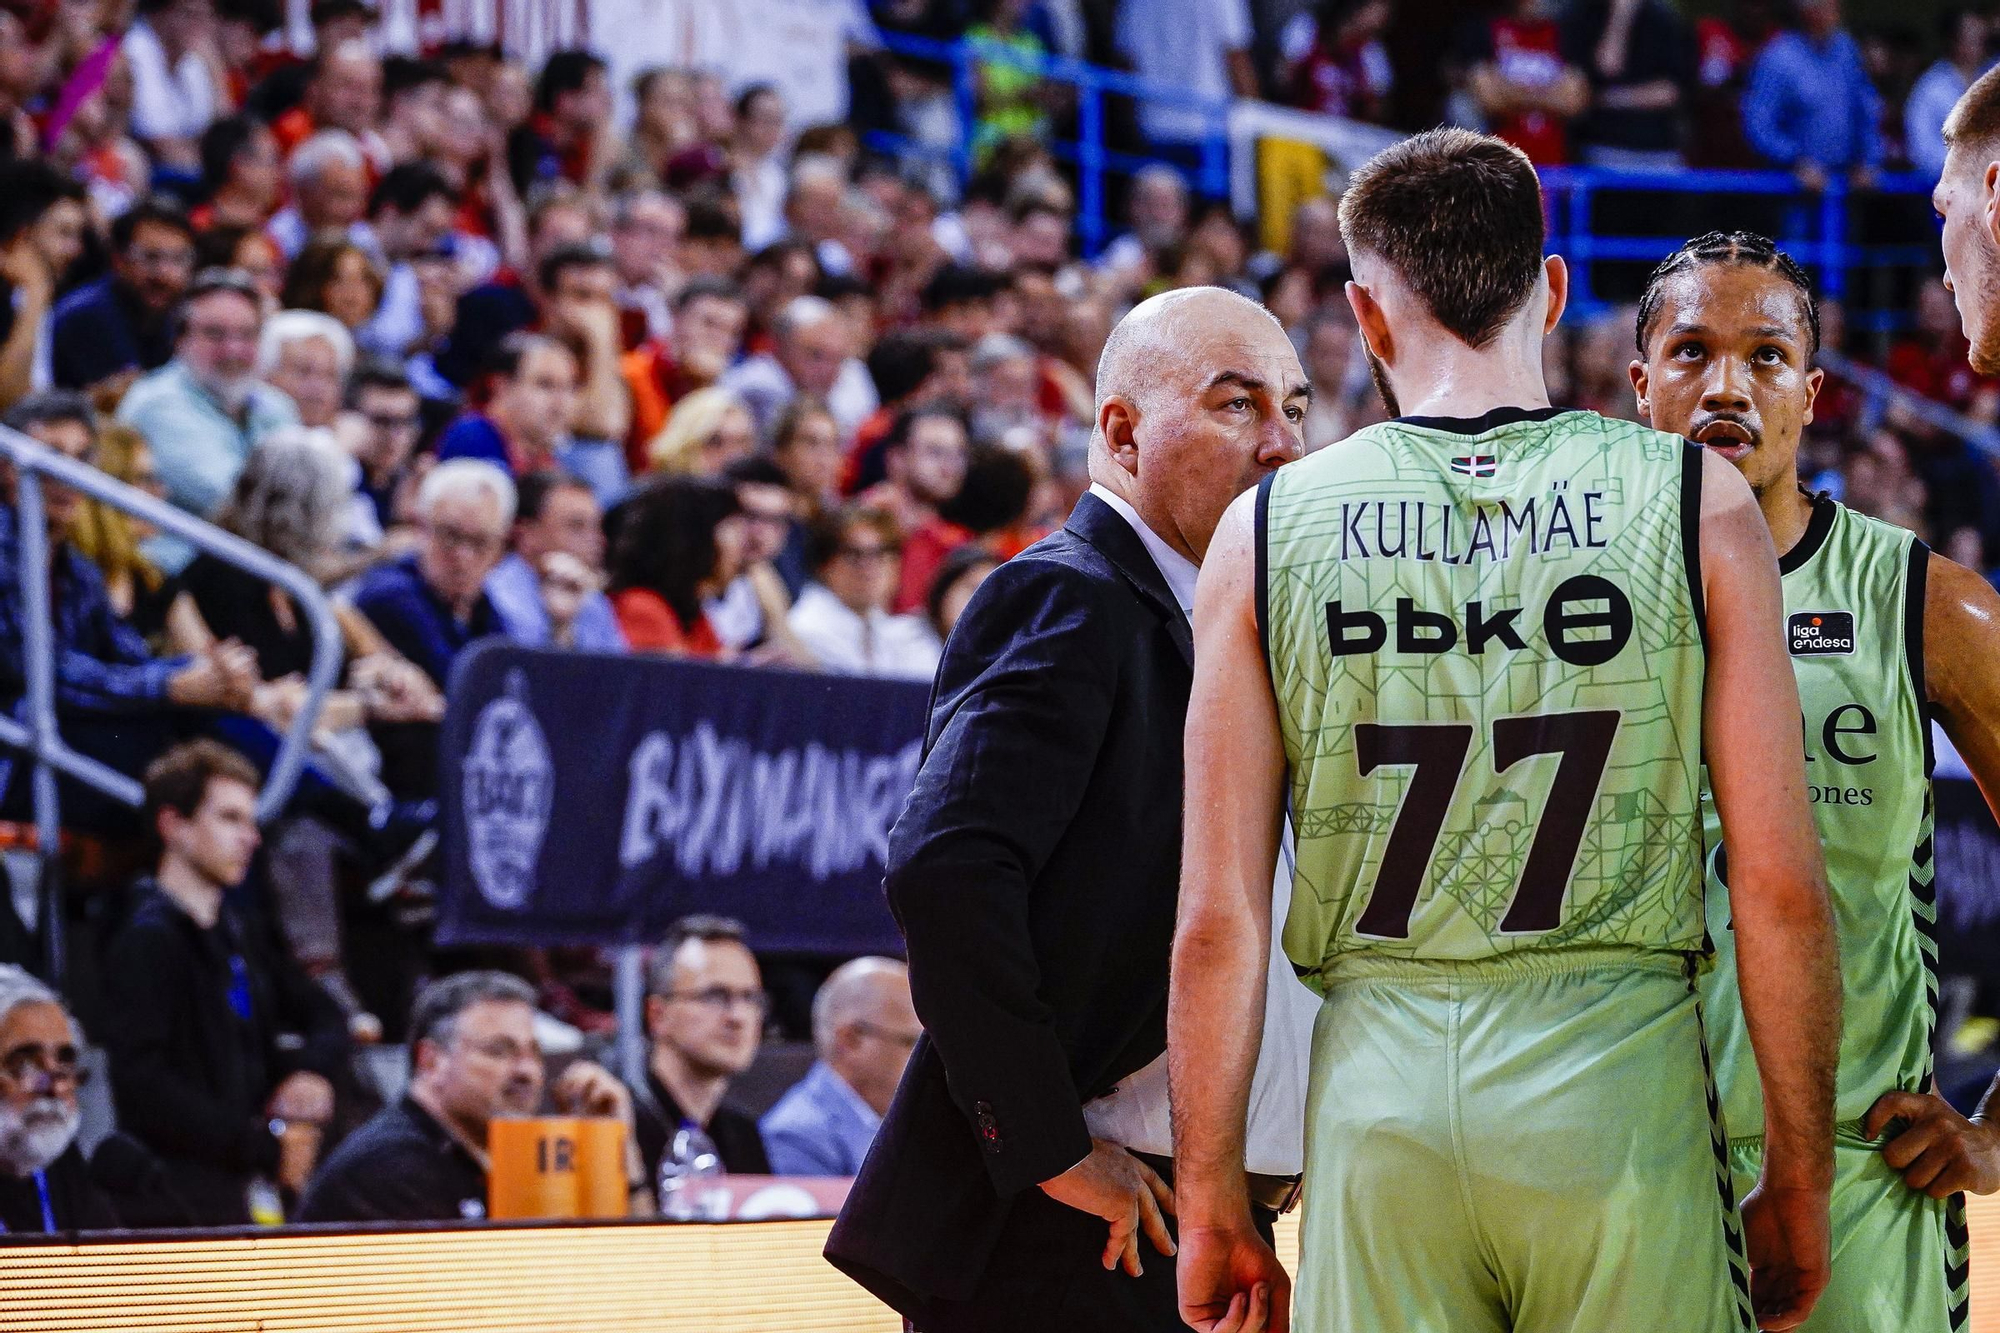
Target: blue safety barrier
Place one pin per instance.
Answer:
(1816, 229)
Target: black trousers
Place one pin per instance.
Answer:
(1047, 1272)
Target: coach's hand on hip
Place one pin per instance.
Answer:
(1116, 1186)
(1231, 1281)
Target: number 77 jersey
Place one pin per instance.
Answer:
(1485, 639)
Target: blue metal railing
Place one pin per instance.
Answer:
(41, 739)
(1815, 228)
(1088, 152)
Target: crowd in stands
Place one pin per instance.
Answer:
(485, 359)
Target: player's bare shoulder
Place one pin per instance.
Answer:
(1961, 631)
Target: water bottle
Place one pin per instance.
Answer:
(687, 1167)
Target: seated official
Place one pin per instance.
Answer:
(44, 1184)
(223, 1052)
(864, 1028)
(705, 1008)
(473, 1057)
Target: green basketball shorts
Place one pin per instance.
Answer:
(1901, 1259)
(1527, 1142)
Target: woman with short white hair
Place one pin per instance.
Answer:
(308, 354)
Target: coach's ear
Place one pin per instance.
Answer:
(1373, 323)
(1557, 273)
(1989, 203)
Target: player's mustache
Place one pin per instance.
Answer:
(1740, 419)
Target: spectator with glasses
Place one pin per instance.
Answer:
(705, 1008)
(44, 1184)
(431, 604)
(864, 1028)
(842, 616)
(473, 1056)
(384, 422)
(106, 333)
(204, 411)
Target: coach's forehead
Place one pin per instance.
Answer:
(1177, 340)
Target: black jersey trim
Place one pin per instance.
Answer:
(1262, 536)
(1691, 465)
(1818, 528)
(1479, 425)
(1915, 581)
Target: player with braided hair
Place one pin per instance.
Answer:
(1883, 634)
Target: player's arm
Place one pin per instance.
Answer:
(1215, 1007)
(1938, 1150)
(1787, 958)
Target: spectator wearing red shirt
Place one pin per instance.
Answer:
(1334, 62)
(928, 451)
(1931, 360)
(1522, 81)
(345, 94)
(709, 319)
(911, 368)
(676, 543)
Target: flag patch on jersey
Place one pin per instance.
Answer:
(1815, 633)
(1475, 465)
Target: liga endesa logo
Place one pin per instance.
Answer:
(1815, 632)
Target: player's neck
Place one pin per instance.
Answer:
(1787, 511)
(1462, 382)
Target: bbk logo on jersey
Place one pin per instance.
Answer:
(1818, 633)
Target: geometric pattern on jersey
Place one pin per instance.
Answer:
(1485, 641)
(1867, 743)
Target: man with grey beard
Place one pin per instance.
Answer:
(43, 1185)
(205, 410)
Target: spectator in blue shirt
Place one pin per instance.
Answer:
(431, 603)
(106, 333)
(204, 411)
(526, 425)
(1810, 107)
(558, 541)
(111, 691)
(1938, 89)
(864, 1028)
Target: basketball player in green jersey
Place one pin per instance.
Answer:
(1882, 634)
(1482, 648)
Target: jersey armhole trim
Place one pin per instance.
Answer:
(1914, 584)
(1692, 461)
(1261, 535)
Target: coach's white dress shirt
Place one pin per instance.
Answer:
(1135, 1113)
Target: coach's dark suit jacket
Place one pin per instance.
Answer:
(1034, 874)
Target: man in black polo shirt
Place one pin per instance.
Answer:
(474, 1056)
(705, 1008)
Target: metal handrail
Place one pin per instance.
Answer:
(1817, 225)
(40, 738)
